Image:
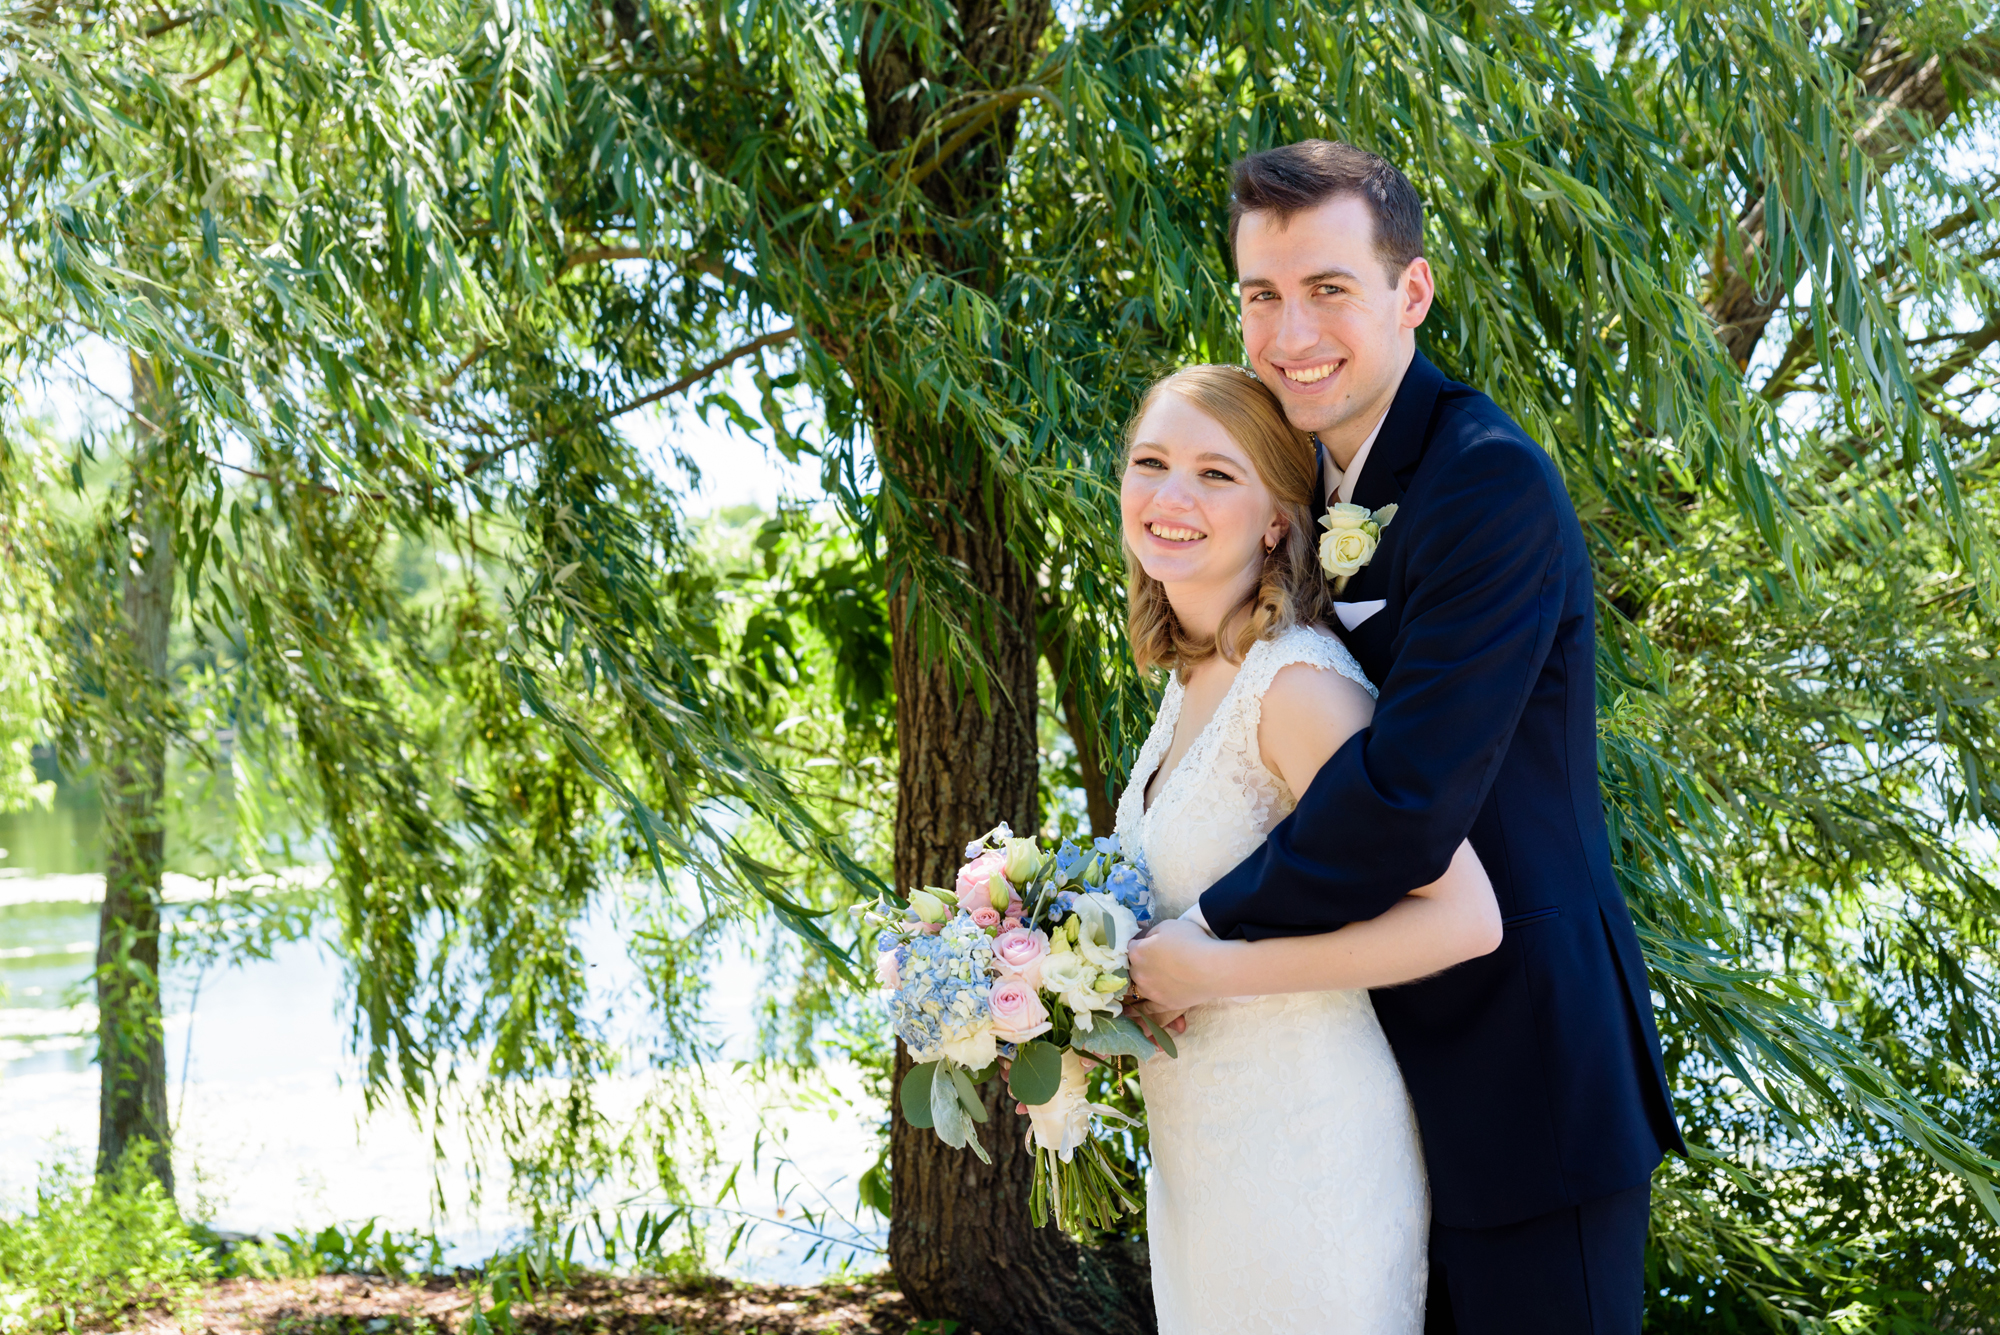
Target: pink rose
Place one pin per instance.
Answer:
(986, 917)
(1009, 924)
(1018, 1014)
(1020, 952)
(887, 972)
(975, 879)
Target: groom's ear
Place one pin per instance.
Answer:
(1418, 289)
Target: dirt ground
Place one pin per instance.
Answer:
(357, 1305)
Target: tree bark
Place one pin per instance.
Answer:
(132, 1097)
(960, 1237)
(1100, 797)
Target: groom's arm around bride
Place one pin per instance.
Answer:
(1534, 1070)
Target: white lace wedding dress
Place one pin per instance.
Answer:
(1287, 1191)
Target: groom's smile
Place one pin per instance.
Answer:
(1307, 379)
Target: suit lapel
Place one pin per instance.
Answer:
(1391, 463)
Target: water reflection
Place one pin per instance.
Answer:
(270, 1127)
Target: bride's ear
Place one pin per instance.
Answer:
(1276, 533)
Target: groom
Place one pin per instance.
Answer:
(1535, 1070)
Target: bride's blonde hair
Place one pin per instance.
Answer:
(1292, 590)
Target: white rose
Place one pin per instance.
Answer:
(1344, 515)
(1063, 1123)
(1107, 928)
(1345, 550)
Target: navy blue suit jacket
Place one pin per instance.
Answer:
(1535, 1070)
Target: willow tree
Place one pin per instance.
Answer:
(192, 189)
(949, 244)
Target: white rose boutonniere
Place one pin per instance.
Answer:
(1353, 532)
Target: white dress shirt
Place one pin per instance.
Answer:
(1345, 479)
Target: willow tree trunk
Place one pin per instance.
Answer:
(131, 741)
(960, 1237)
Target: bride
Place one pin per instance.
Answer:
(1288, 1190)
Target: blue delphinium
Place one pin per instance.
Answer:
(1128, 886)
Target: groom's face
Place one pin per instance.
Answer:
(1326, 323)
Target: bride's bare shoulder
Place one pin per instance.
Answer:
(1312, 707)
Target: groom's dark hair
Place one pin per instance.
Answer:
(1301, 176)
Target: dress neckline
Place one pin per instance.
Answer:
(1171, 716)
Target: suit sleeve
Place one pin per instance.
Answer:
(1384, 814)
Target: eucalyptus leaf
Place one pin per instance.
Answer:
(975, 1108)
(916, 1094)
(948, 1116)
(1036, 1074)
(1159, 1034)
(1115, 1036)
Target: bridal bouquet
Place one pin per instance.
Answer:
(1023, 959)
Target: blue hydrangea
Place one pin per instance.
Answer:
(945, 980)
(1069, 859)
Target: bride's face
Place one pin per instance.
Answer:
(1195, 512)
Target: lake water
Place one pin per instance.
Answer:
(270, 1128)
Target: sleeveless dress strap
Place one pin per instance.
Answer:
(1299, 644)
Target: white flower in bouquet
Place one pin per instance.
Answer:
(1023, 860)
(968, 1031)
(1079, 985)
(1106, 927)
(974, 1046)
(1063, 1123)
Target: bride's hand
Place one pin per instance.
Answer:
(1152, 1018)
(1174, 966)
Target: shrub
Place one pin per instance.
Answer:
(91, 1252)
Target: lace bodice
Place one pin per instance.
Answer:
(1220, 801)
(1287, 1195)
